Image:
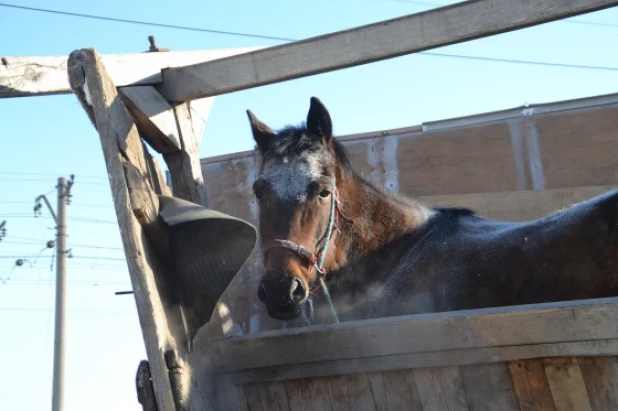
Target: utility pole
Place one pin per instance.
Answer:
(64, 198)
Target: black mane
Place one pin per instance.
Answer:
(289, 141)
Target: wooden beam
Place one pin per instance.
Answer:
(184, 165)
(428, 359)
(563, 322)
(121, 144)
(452, 24)
(37, 76)
(153, 116)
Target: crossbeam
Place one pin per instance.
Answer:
(38, 76)
(439, 27)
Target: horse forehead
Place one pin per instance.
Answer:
(289, 177)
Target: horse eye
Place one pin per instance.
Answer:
(324, 193)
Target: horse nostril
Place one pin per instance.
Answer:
(297, 291)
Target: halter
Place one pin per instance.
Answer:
(316, 260)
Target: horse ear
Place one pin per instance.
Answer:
(261, 132)
(318, 120)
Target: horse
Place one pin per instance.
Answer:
(328, 235)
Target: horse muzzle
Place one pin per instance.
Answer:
(284, 297)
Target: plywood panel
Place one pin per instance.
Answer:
(580, 147)
(518, 205)
(463, 160)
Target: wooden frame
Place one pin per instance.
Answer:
(456, 23)
(149, 98)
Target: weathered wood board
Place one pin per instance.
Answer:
(513, 165)
(556, 356)
(451, 24)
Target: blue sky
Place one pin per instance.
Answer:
(46, 137)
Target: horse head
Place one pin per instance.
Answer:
(299, 211)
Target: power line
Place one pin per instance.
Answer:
(48, 174)
(467, 57)
(516, 61)
(577, 21)
(74, 257)
(83, 219)
(72, 245)
(146, 23)
(70, 311)
(38, 180)
(72, 204)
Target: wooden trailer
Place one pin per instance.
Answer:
(520, 164)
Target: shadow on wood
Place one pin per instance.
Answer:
(206, 248)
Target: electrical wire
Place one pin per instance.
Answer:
(145, 23)
(286, 39)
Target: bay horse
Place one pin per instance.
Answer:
(326, 231)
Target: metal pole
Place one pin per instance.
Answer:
(61, 255)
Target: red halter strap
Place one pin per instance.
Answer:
(302, 252)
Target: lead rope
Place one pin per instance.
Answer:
(322, 255)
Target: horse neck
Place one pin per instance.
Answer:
(379, 217)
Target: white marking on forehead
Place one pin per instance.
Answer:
(289, 178)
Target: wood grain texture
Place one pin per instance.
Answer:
(489, 387)
(567, 384)
(184, 164)
(154, 117)
(308, 395)
(427, 166)
(378, 41)
(351, 393)
(600, 375)
(45, 75)
(570, 159)
(441, 388)
(576, 321)
(531, 386)
(400, 392)
(428, 359)
(120, 143)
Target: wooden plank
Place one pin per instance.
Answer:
(567, 384)
(154, 117)
(593, 319)
(274, 396)
(400, 392)
(531, 385)
(601, 378)
(489, 387)
(518, 205)
(439, 27)
(578, 147)
(351, 392)
(376, 384)
(120, 143)
(427, 163)
(428, 359)
(441, 388)
(184, 165)
(308, 394)
(36, 76)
